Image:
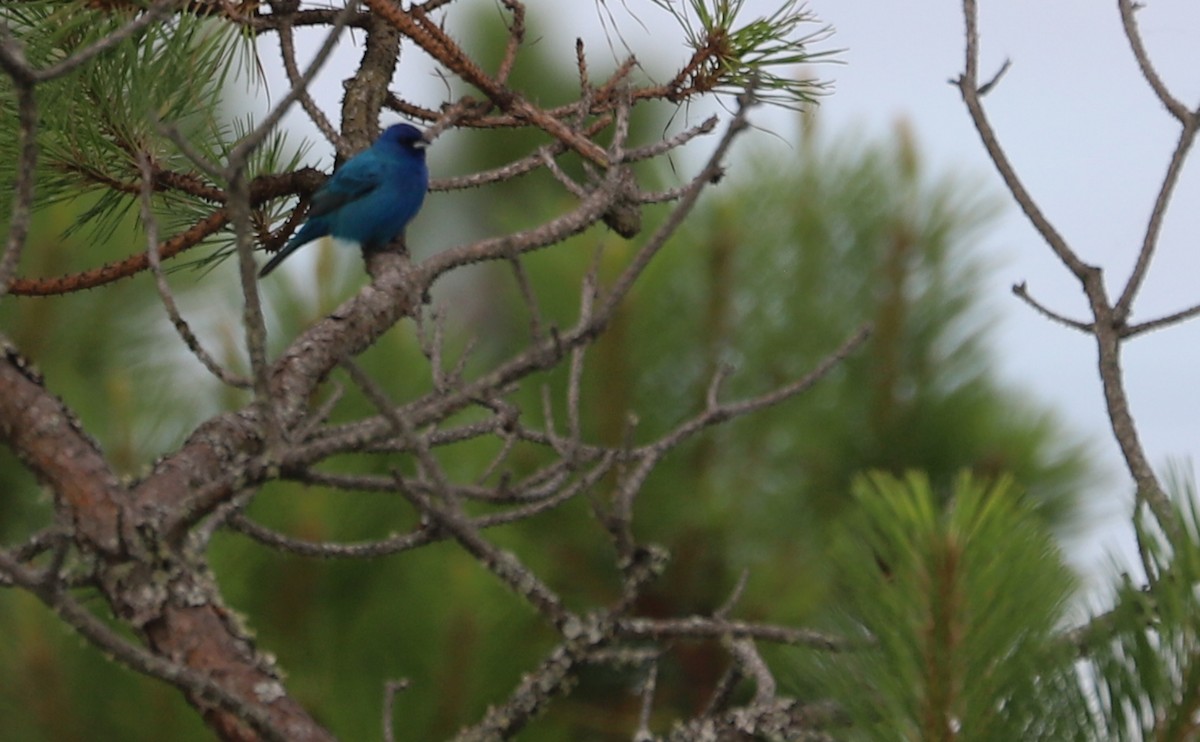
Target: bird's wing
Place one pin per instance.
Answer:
(357, 178)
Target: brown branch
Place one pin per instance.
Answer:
(306, 17)
(417, 25)
(262, 189)
(1176, 108)
(1107, 325)
(126, 268)
(179, 619)
(553, 677)
(1161, 322)
(1187, 137)
(12, 60)
(779, 718)
(168, 298)
(704, 627)
(968, 86)
(1021, 291)
(47, 437)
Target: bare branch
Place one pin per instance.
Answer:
(1022, 292)
(391, 689)
(505, 565)
(703, 627)
(27, 118)
(1154, 225)
(687, 201)
(1134, 36)
(648, 685)
(422, 537)
(551, 678)
(754, 666)
(1108, 323)
(1161, 322)
(164, 290)
(968, 86)
(287, 50)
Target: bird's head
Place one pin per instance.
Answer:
(406, 137)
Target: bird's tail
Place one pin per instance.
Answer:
(278, 258)
(312, 230)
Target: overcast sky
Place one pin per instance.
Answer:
(1085, 133)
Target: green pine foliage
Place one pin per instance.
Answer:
(961, 604)
(1145, 652)
(93, 122)
(763, 50)
(954, 599)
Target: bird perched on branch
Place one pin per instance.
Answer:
(370, 199)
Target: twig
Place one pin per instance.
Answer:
(968, 87)
(1021, 291)
(516, 35)
(13, 61)
(1108, 321)
(504, 564)
(587, 302)
(1154, 224)
(287, 49)
(705, 627)
(422, 537)
(1161, 322)
(164, 289)
(391, 689)
(552, 677)
(1133, 35)
(671, 224)
(250, 142)
(586, 213)
(657, 149)
(754, 666)
(723, 691)
(987, 87)
(529, 297)
(648, 685)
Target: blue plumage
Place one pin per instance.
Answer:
(370, 199)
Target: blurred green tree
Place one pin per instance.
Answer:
(795, 251)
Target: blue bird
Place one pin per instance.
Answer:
(370, 199)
